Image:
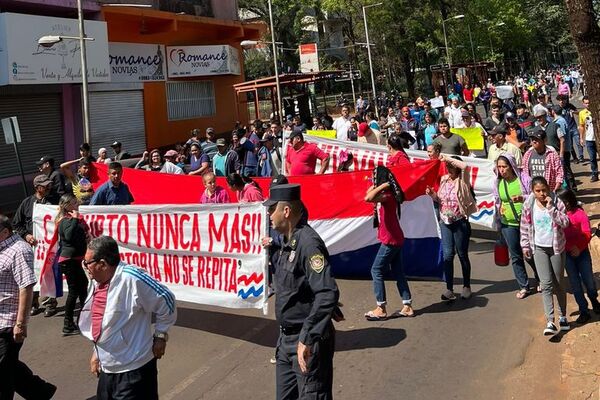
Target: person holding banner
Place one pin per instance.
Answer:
(385, 193)
(114, 191)
(306, 298)
(73, 236)
(117, 317)
(246, 189)
(16, 285)
(456, 201)
(213, 194)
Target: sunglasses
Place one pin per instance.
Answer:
(86, 264)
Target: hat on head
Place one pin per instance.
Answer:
(41, 180)
(210, 130)
(85, 147)
(296, 132)
(221, 142)
(267, 138)
(101, 150)
(45, 159)
(509, 115)
(538, 133)
(195, 132)
(279, 180)
(499, 129)
(116, 144)
(171, 153)
(363, 127)
(539, 111)
(465, 113)
(284, 192)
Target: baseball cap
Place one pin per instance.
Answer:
(295, 132)
(509, 115)
(116, 144)
(221, 142)
(279, 180)
(539, 111)
(171, 153)
(41, 180)
(210, 130)
(45, 159)
(499, 129)
(84, 147)
(266, 138)
(538, 133)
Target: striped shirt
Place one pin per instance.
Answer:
(16, 272)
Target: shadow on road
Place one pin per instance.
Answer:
(454, 306)
(264, 332)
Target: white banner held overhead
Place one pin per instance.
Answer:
(206, 254)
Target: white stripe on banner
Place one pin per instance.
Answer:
(418, 219)
(348, 234)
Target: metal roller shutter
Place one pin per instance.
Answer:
(118, 115)
(40, 122)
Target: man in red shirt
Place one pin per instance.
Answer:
(301, 158)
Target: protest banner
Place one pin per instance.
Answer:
(206, 254)
(324, 134)
(472, 136)
(437, 102)
(504, 92)
(367, 156)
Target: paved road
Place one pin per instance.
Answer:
(457, 351)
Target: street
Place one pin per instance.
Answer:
(458, 351)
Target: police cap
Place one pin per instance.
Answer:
(285, 192)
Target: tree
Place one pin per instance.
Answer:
(583, 21)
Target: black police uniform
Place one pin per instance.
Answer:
(306, 296)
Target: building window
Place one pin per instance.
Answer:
(187, 100)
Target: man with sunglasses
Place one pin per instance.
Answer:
(16, 286)
(117, 317)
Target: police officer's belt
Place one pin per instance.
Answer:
(290, 330)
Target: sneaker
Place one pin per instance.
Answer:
(583, 318)
(448, 295)
(70, 329)
(564, 324)
(551, 329)
(50, 311)
(594, 178)
(273, 360)
(35, 310)
(466, 293)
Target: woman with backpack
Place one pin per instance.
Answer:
(456, 201)
(510, 191)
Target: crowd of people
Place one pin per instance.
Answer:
(538, 217)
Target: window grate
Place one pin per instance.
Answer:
(187, 100)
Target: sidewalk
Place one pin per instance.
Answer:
(567, 366)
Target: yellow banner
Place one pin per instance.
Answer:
(324, 134)
(471, 135)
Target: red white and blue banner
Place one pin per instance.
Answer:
(367, 156)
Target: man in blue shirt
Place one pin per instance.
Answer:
(114, 191)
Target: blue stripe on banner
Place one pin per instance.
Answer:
(421, 258)
(157, 287)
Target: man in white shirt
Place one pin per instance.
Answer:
(455, 114)
(500, 145)
(390, 122)
(342, 124)
(590, 140)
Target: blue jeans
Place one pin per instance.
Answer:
(512, 237)
(455, 239)
(389, 257)
(576, 147)
(579, 270)
(591, 149)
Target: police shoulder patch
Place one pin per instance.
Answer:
(317, 262)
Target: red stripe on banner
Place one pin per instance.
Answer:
(337, 195)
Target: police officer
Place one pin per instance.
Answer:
(306, 298)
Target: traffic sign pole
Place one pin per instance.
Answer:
(352, 84)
